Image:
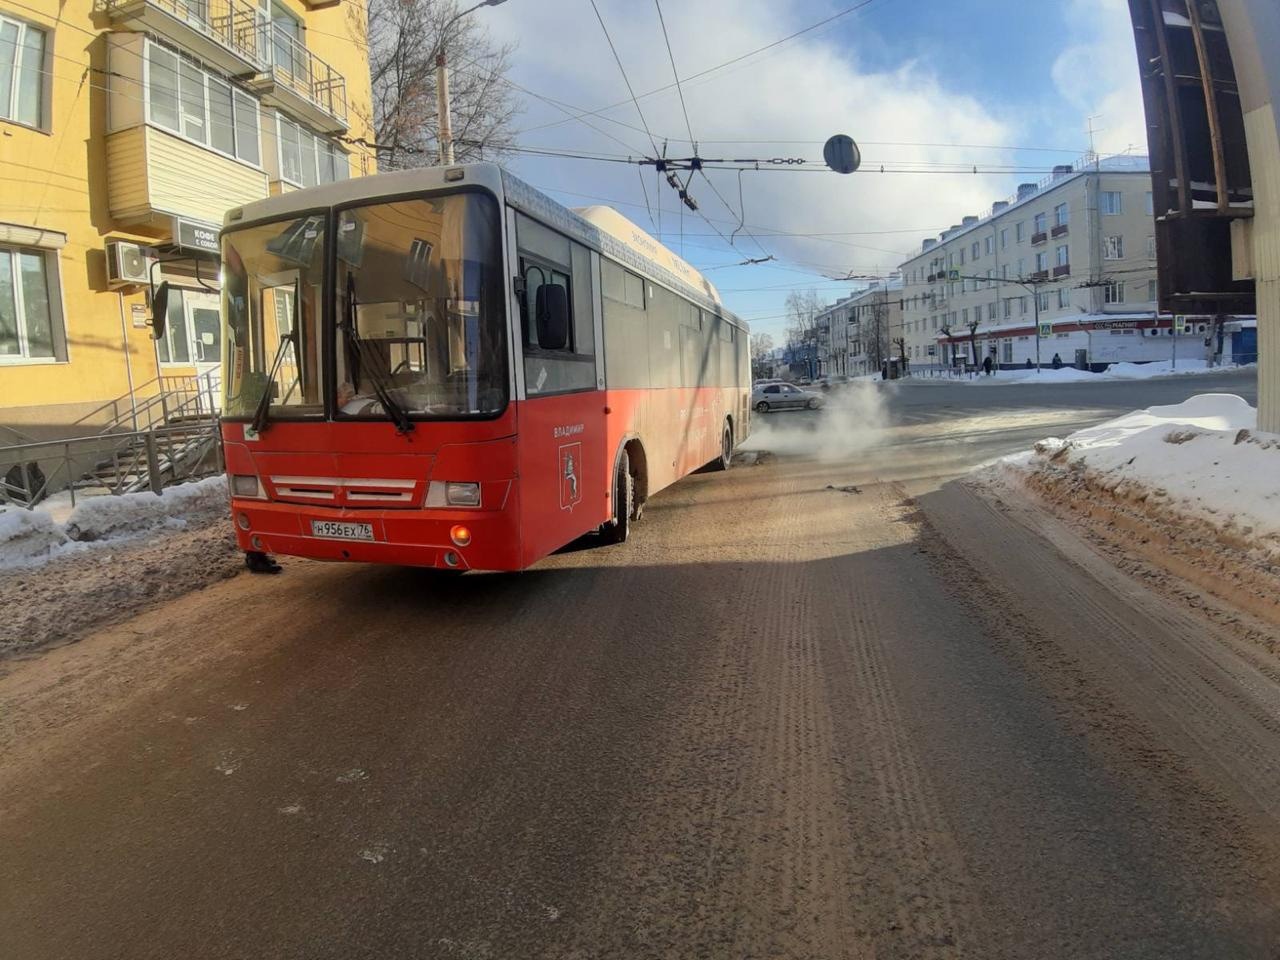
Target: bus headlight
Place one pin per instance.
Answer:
(451, 493)
(246, 485)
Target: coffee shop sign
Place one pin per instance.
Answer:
(196, 236)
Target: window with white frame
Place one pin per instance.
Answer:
(1042, 262)
(1064, 298)
(1006, 351)
(1041, 223)
(1151, 291)
(1111, 202)
(991, 274)
(1151, 248)
(991, 310)
(1022, 306)
(991, 245)
(1019, 230)
(21, 72)
(1113, 291)
(1113, 248)
(1042, 297)
(1004, 238)
(974, 250)
(200, 107)
(1008, 308)
(1151, 207)
(1022, 266)
(30, 308)
(1060, 215)
(307, 159)
(1064, 255)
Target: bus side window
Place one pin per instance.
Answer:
(550, 259)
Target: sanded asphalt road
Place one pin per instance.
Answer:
(815, 708)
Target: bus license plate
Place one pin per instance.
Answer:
(341, 530)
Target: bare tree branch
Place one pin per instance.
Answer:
(404, 37)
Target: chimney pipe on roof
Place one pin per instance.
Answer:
(1025, 190)
(1061, 170)
(969, 221)
(998, 206)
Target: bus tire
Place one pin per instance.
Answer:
(762, 406)
(725, 459)
(624, 499)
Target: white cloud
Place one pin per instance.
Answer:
(1097, 73)
(806, 90)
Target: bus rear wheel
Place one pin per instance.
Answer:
(624, 499)
(725, 459)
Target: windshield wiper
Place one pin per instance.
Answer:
(380, 387)
(262, 413)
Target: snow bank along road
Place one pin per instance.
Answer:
(816, 708)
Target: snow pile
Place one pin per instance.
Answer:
(27, 536)
(33, 536)
(1117, 371)
(1200, 458)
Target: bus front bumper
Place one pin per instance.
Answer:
(416, 538)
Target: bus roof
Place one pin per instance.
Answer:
(627, 233)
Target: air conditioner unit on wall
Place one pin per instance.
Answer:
(128, 264)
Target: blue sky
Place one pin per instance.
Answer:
(1008, 74)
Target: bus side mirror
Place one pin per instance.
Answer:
(552, 311)
(159, 310)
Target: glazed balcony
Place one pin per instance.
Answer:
(226, 34)
(300, 83)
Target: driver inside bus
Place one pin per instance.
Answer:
(351, 402)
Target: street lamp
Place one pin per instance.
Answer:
(442, 81)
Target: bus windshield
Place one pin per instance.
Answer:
(420, 321)
(271, 296)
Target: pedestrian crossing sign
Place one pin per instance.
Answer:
(1046, 329)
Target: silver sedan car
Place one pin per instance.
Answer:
(783, 396)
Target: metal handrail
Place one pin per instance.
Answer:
(154, 453)
(231, 23)
(293, 65)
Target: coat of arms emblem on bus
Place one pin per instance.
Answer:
(570, 488)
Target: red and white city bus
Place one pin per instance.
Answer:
(446, 368)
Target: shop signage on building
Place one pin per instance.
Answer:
(194, 236)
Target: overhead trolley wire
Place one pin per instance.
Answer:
(625, 78)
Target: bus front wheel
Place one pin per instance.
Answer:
(624, 499)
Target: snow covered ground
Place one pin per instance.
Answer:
(1202, 459)
(1117, 371)
(33, 537)
(68, 572)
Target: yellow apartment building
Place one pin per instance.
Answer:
(127, 128)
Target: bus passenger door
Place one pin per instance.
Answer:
(565, 471)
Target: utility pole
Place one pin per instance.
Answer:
(442, 82)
